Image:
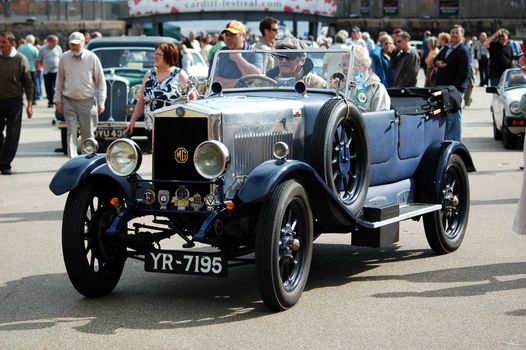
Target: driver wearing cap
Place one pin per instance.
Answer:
(295, 66)
(231, 67)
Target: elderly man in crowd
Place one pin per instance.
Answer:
(31, 52)
(80, 90)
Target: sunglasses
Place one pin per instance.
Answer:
(275, 30)
(287, 58)
(399, 41)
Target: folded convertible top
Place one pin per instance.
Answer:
(434, 100)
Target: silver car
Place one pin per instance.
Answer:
(508, 120)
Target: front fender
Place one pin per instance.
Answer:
(79, 169)
(262, 180)
(432, 169)
(326, 206)
(73, 172)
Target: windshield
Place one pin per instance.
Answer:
(134, 58)
(515, 78)
(241, 70)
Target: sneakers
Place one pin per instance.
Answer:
(6, 171)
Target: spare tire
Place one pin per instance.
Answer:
(340, 152)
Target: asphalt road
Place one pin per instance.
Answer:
(400, 297)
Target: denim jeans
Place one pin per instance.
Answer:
(454, 125)
(11, 121)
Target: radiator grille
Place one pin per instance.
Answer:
(250, 150)
(116, 101)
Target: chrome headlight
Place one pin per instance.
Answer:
(89, 146)
(515, 107)
(211, 159)
(136, 91)
(123, 157)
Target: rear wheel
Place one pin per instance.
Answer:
(446, 227)
(94, 263)
(284, 246)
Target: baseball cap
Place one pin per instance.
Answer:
(355, 29)
(76, 38)
(235, 27)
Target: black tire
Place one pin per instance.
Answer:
(341, 153)
(445, 228)
(64, 140)
(282, 267)
(94, 265)
(497, 134)
(509, 140)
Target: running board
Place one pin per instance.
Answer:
(406, 212)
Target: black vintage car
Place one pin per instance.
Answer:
(125, 60)
(256, 172)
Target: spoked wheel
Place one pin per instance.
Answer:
(284, 246)
(445, 228)
(94, 264)
(340, 149)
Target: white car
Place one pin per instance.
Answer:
(194, 64)
(508, 121)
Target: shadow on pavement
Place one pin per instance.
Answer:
(158, 301)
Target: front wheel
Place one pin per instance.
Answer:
(284, 246)
(94, 264)
(509, 140)
(446, 227)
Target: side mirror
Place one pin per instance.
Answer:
(492, 90)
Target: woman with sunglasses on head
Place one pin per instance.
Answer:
(159, 86)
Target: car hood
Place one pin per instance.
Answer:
(132, 75)
(514, 94)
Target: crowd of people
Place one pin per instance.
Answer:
(74, 79)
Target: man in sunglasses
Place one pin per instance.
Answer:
(233, 66)
(294, 66)
(269, 31)
(501, 54)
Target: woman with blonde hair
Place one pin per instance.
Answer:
(432, 44)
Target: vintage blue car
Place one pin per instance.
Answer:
(255, 171)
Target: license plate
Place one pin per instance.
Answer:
(105, 133)
(186, 262)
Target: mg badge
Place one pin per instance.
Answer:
(180, 112)
(181, 155)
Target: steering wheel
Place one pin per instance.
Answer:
(266, 81)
